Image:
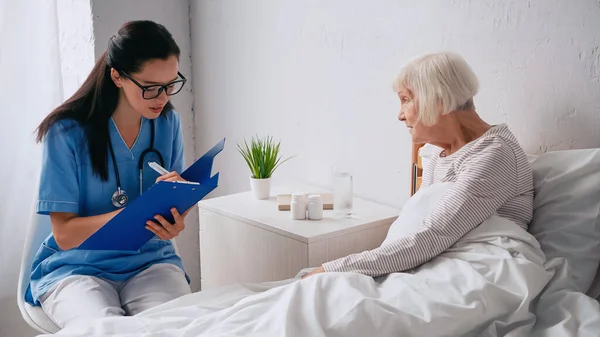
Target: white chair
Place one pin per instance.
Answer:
(38, 230)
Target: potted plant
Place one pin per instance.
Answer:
(263, 158)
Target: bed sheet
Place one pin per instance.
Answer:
(494, 282)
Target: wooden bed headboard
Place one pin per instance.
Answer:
(416, 169)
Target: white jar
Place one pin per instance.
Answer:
(298, 206)
(315, 207)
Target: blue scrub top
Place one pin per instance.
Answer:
(68, 184)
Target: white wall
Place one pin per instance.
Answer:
(317, 74)
(108, 16)
(76, 39)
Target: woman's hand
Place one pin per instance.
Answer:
(315, 271)
(171, 176)
(166, 230)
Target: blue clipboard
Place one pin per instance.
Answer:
(127, 231)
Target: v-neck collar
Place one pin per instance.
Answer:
(136, 138)
(142, 120)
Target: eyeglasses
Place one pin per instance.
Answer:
(155, 90)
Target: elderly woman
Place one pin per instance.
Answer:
(489, 168)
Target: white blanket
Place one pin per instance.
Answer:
(494, 282)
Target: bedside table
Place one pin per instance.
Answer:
(243, 240)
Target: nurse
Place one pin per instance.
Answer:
(96, 150)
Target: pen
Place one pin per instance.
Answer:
(161, 170)
(187, 182)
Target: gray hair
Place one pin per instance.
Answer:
(441, 78)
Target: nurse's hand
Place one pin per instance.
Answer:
(167, 230)
(171, 176)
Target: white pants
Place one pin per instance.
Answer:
(80, 298)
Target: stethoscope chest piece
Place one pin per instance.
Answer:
(119, 198)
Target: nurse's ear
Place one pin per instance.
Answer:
(116, 77)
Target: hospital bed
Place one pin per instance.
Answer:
(544, 294)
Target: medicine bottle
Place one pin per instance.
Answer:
(315, 207)
(298, 206)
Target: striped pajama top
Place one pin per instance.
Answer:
(491, 175)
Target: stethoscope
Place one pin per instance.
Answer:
(119, 198)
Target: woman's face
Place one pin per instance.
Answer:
(152, 72)
(409, 115)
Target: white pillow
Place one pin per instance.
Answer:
(426, 153)
(566, 210)
(415, 210)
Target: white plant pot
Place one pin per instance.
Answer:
(261, 188)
